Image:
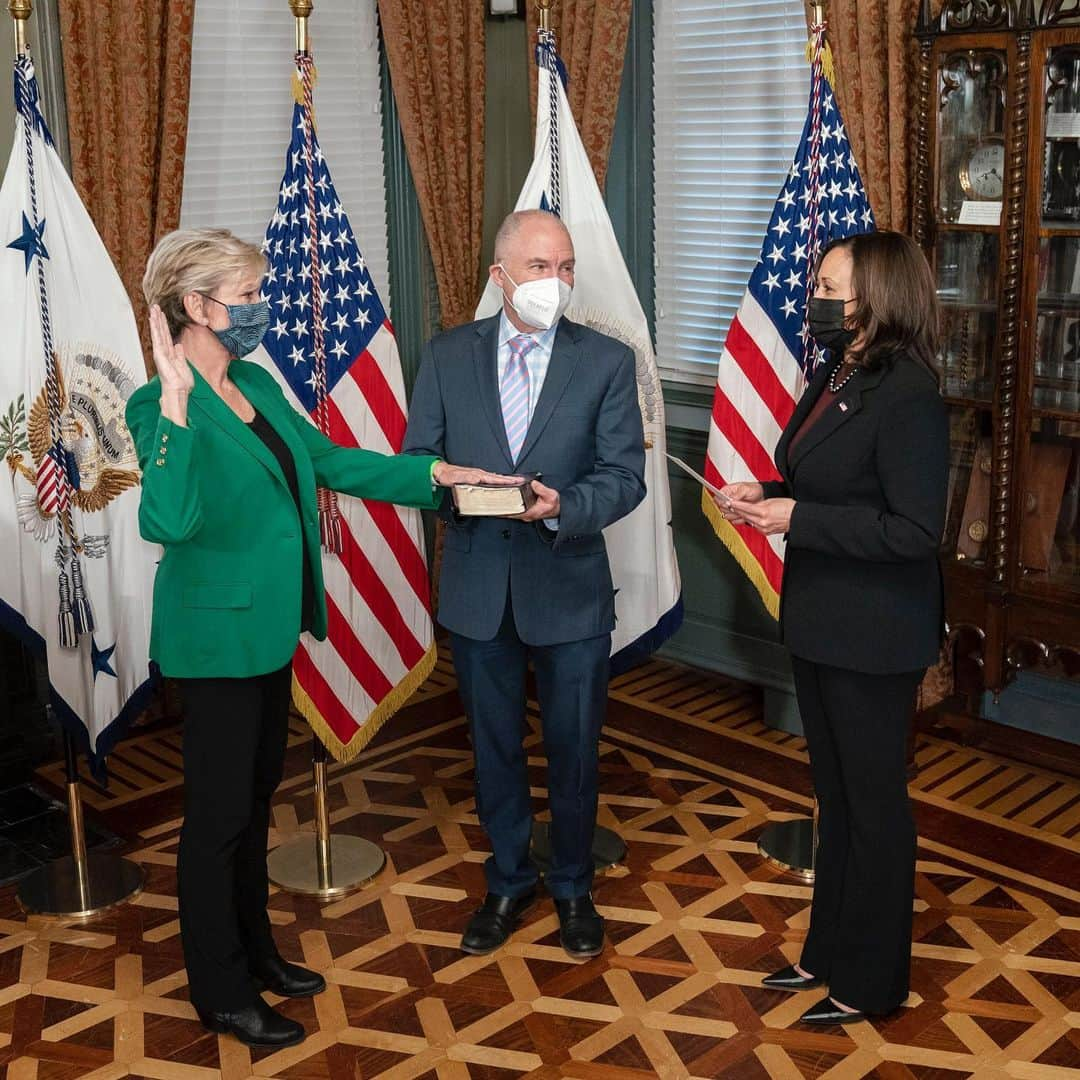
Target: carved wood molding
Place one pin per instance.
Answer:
(965, 644)
(1002, 482)
(963, 16)
(1029, 653)
(922, 150)
(961, 66)
(1059, 12)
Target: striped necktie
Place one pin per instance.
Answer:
(514, 392)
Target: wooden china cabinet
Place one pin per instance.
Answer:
(997, 210)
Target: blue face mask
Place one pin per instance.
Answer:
(248, 324)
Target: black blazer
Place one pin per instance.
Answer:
(862, 585)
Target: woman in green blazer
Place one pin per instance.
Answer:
(229, 472)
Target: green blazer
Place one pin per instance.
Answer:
(228, 587)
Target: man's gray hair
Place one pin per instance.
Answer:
(511, 226)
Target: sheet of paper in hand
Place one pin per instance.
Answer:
(711, 488)
(493, 500)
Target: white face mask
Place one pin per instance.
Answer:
(540, 303)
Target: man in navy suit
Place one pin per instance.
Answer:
(529, 392)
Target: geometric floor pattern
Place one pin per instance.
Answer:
(690, 776)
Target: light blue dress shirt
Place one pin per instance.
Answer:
(537, 362)
(537, 359)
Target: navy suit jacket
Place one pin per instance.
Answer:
(586, 440)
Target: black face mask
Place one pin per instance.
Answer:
(826, 319)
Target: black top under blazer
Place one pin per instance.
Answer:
(862, 586)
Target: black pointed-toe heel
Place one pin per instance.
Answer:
(789, 979)
(826, 1012)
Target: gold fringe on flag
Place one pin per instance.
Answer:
(345, 752)
(298, 88)
(730, 538)
(828, 68)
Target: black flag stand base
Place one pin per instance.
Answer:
(790, 846)
(81, 884)
(320, 865)
(608, 847)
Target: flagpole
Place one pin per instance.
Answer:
(331, 866)
(792, 845)
(301, 10)
(82, 884)
(20, 12)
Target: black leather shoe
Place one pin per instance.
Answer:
(581, 928)
(826, 1012)
(789, 979)
(494, 921)
(257, 1025)
(285, 979)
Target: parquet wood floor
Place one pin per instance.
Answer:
(690, 777)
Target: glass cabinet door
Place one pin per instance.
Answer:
(1049, 487)
(965, 264)
(1061, 150)
(971, 137)
(1056, 386)
(967, 522)
(1049, 504)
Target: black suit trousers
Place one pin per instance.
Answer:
(856, 727)
(235, 732)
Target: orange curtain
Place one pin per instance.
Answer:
(436, 57)
(876, 57)
(127, 73)
(591, 38)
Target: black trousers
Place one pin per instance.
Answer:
(860, 922)
(235, 731)
(571, 684)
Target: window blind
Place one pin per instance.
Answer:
(241, 112)
(731, 86)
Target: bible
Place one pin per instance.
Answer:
(494, 500)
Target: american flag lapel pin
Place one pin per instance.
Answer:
(843, 406)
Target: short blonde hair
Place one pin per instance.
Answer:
(194, 260)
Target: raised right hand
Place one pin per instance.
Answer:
(176, 375)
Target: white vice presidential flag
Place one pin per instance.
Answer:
(75, 577)
(648, 598)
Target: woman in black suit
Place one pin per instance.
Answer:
(864, 462)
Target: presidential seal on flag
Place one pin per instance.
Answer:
(76, 578)
(100, 456)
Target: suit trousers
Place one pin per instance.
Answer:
(235, 732)
(856, 729)
(571, 685)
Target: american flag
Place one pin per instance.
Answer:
(332, 349)
(769, 355)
